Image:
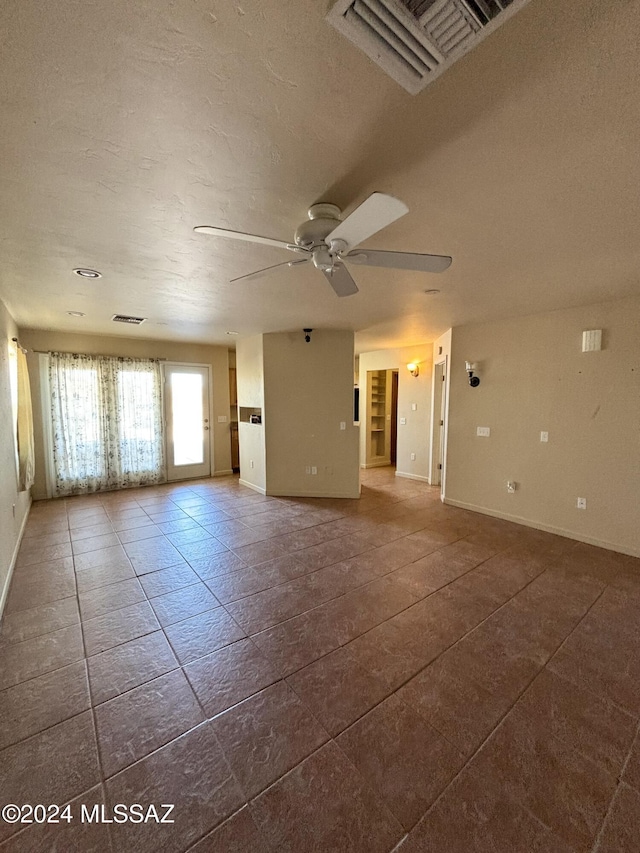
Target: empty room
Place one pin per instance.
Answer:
(319, 426)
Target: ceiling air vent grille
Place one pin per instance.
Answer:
(414, 41)
(124, 318)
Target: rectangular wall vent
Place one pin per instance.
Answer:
(414, 41)
(124, 318)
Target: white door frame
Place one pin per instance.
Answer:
(208, 367)
(439, 411)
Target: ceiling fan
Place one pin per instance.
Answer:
(329, 242)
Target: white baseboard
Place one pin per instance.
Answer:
(253, 486)
(413, 477)
(14, 557)
(290, 494)
(548, 528)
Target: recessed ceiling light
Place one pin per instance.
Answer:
(432, 291)
(233, 333)
(75, 313)
(85, 273)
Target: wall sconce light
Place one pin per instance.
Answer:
(413, 368)
(470, 366)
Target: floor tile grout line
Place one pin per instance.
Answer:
(388, 619)
(290, 618)
(247, 635)
(507, 712)
(162, 628)
(620, 782)
(328, 566)
(360, 586)
(93, 711)
(432, 661)
(636, 740)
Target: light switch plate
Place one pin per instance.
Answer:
(403, 421)
(414, 407)
(544, 436)
(222, 419)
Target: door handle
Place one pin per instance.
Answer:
(206, 428)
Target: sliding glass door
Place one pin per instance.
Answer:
(187, 416)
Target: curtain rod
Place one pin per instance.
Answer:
(98, 354)
(19, 345)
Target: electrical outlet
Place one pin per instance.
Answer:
(403, 421)
(485, 432)
(544, 436)
(511, 486)
(307, 469)
(413, 457)
(314, 469)
(343, 424)
(581, 503)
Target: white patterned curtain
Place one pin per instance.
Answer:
(106, 415)
(24, 426)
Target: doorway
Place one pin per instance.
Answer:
(393, 448)
(188, 418)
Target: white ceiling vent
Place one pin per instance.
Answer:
(124, 318)
(414, 41)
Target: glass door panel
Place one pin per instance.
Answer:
(187, 410)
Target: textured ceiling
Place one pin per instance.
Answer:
(126, 123)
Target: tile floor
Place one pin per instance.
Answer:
(318, 675)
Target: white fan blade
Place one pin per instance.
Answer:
(260, 273)
(399, 260)
(340, 280)
(239, 235)
(378, 211)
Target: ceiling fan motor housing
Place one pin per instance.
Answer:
(323, 219)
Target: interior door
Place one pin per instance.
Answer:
(439, 411)
(443, 412)
(187, 416)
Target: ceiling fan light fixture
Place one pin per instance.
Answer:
(323, 259)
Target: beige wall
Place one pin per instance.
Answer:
(217, 357)
(14, 505)
(413, 437)
(534, 377)
(308, 393)
(250, 383)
